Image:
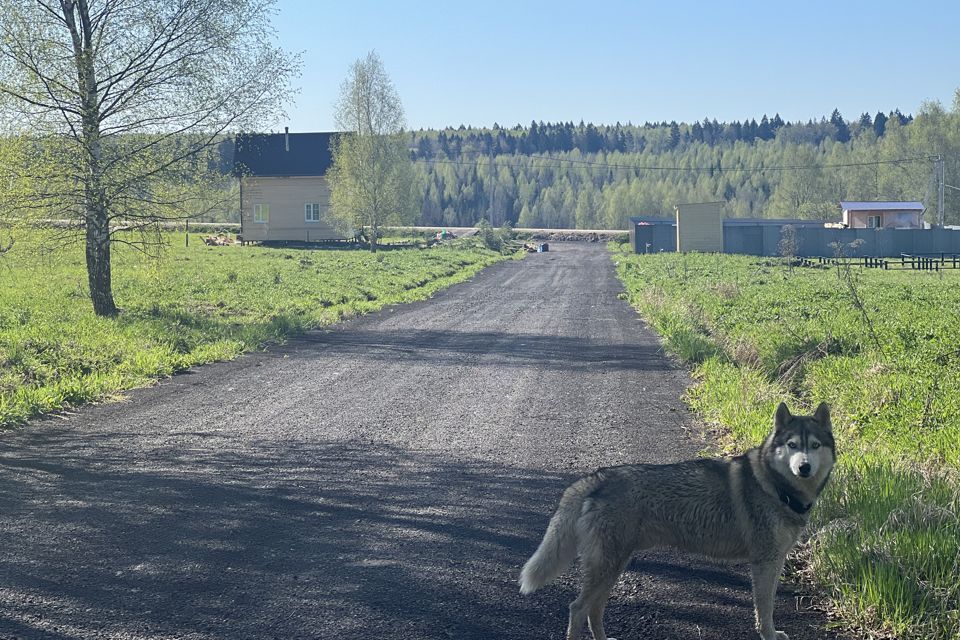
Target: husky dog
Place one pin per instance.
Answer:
(748, 508)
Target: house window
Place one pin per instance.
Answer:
(261, 213)
(873, 222)
(311, 212)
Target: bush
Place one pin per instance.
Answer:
(498, 239)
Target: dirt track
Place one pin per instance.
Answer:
(385, 479)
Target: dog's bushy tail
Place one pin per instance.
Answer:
(559, 545)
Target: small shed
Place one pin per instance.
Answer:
(650, 234)
(700, 227)
(284, 195)
(882, 215)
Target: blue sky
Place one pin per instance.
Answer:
(509, 62)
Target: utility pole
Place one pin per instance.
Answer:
(941, 181)
(493, 189)
(952, 187)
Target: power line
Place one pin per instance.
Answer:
(714, 169)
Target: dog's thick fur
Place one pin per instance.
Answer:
(748, 508)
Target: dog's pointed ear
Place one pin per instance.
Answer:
(822, 415)
(781, 417)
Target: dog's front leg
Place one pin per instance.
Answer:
(765, 577)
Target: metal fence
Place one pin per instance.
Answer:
(904, 262)
(808, 242)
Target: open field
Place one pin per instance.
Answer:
(187, 307)
(879, 346)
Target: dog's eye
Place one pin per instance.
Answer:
(815, 445)
(792, 445)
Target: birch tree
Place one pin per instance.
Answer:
(372, 180)
(125, 102)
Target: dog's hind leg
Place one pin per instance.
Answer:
(599, 575)
(765, 576)
(595, 618)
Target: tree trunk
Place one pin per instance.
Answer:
(95, 213)
(373, 238)
(98, 227)
(98, 264)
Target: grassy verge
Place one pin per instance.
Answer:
(189, 306)
(881, 348)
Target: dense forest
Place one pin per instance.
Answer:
(587, 176)
(596, 176)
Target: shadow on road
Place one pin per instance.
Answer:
(297, 540)
(499, 349)
(283, 542)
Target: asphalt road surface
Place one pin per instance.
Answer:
(384, 479)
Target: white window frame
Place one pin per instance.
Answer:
(261, 213)
(311, 212)
(874, 222)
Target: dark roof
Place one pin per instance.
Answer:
(651, 220)
(266, 154)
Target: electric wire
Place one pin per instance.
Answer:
(678, 169)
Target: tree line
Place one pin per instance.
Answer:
(596, 176)
(589, 138)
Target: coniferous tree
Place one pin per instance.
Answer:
(424, 148)
(696, 132)
(592, 140)
(710, 132)
(843, 131)
(764, 131)
(674, 140)
(736, 131)
(532, 139)
(879, 124)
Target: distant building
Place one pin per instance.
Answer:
(700, 226)
(809, 238)
(882, 215)
(284, 196)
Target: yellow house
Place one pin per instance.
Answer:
(284, 195)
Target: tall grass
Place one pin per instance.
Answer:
(885, 537)
(186, 307)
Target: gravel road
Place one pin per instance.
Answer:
(383, 479)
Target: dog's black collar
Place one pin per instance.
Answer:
(793, 502)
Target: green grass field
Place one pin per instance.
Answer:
(187, 307)
(882, 348)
